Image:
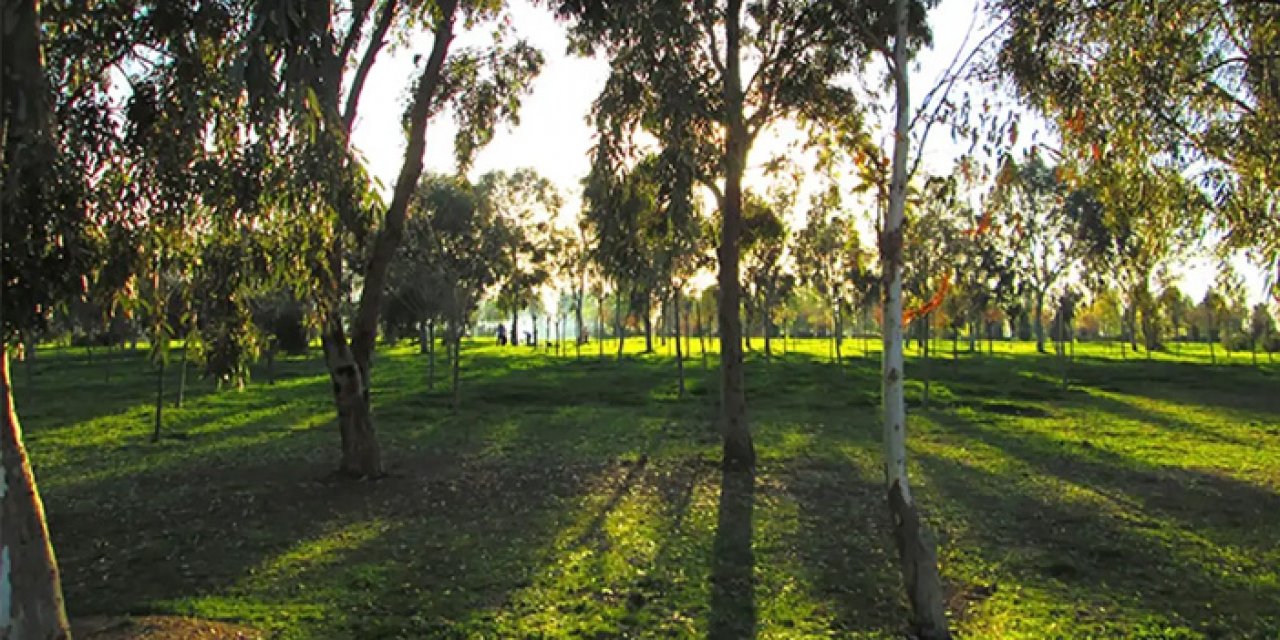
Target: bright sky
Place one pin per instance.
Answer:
(555, 138)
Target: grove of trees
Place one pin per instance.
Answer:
(185, 172)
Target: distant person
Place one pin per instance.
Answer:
(502, 336)
(528, 339)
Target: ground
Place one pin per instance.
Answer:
(582, 498)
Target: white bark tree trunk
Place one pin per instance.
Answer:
(916, 548)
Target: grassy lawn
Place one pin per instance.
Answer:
(582, 499)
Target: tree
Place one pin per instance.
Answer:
(1037, 230)
(916, 548)
(1186, 85)
(458, 247)
(1261, 328)
(295, 69)
(43, 217)
(764, 245)
(677, 72)
(525, 201)
(930, 245)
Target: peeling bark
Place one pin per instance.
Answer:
(31, 604)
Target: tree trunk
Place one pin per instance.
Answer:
(515, 326)
(361, 456)
(648, 328)
(679, 350)
(271, 362)
(159, 413)
(600, 321)
(577, 318)
(702, 333)
(533, 320)
(926, 329)
(424, 342)
(916, 547)
(182, 378)
(767, 325)
(617, 325)
(1039, 322)
(31, 605)
(739, 452)
(455, 362)
(431, 354)
(349, 364)
(837, 327)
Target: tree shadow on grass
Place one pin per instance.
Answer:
(1158, 541)
(733, 607)
(844, 545)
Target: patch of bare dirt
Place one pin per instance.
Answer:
(159, 628)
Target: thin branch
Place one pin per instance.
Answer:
(376, 42)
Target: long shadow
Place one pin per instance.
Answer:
(845, 546)
(733, 607)
(1134, 549)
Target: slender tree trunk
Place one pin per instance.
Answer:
(515, 326)
(455, 361)
(424, 342)
(431, 354)
(182, 378)
(600, 322)
(1039, 322)
(917, 552)
(739, 452)
(837, 326)
(1213, 356)
(926, 329)
(679, 350)
(577, 313)
(32, 589)
(159, 413)
(648, 328)
(617, 325)
(702, 333)
(271, 362)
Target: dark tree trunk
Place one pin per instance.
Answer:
(182, 378)
(33, 596)
(515, 328)
(600, 322)
(455, 362)
(767, 324)
(349, 363)
(702, 333)
(617, 326)
(739, 452)
(431, 354)
(1039, 322)
(159, 413)
(361, 455)
(679, 350)
(648, 328)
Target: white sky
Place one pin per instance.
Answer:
(555, 138)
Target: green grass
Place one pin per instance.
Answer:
(582, 499)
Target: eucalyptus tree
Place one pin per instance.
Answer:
(456, 252)
(295, 70)
(820, 247)
(527, 202)
(677, 71)
(930, 245)
(1181, 84)
(1036, 229)
(766, 281)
